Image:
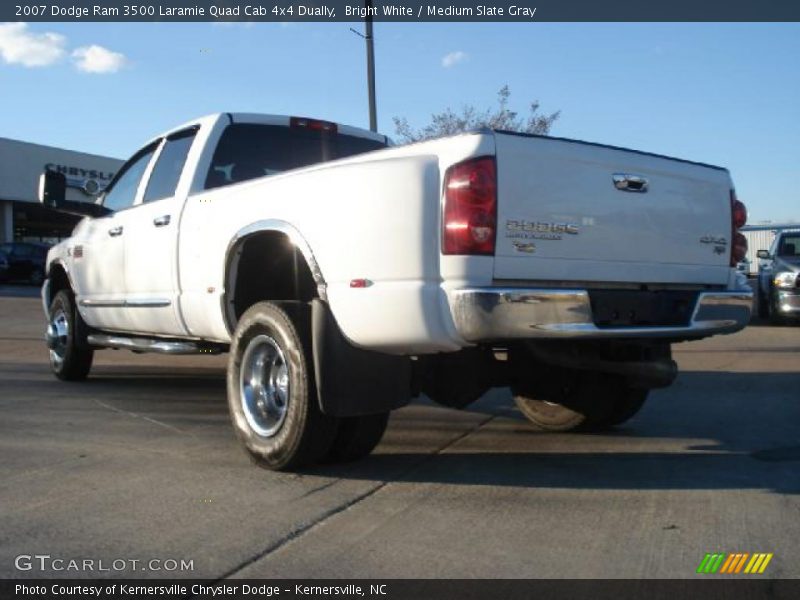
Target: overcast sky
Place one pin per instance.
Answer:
(727, 94)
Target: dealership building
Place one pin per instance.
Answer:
(22, 218)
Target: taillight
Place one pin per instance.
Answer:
(739, 249)
(738, 212)
(469, 223)
(738, 219)
(313, 124)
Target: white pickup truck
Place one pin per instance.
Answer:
(345, 277)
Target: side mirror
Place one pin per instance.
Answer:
(763, 254)
(53, 192)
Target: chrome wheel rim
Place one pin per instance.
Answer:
(264, 385)
(58, 337)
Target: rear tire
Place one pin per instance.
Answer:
(627, 404)
(70, 356)
(272, 395)
(357, 437)
(586, 404)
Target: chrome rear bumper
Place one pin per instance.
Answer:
(486, 314)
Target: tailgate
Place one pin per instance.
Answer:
(562, 216)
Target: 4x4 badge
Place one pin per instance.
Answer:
(528, 247)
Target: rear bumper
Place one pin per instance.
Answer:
(486, 314)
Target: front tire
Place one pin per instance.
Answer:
(70, 356)
(763, 306)
(271, 391)
(775, 316)
(586, 404)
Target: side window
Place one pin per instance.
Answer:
(122, 190)
(247, 151)
(167, 172)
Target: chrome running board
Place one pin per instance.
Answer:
(139, 344)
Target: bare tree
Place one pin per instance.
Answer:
(449, 122)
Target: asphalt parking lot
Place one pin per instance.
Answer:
(140, 463)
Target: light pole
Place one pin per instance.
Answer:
(373, 116)
(369, 39)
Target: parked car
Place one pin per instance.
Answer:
(779, 278)
(24, 261)
(345, 277)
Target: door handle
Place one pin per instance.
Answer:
(161, 221)
(115, 231)
(628, 182)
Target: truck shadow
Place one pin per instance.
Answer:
(590, 470)
(710, 430)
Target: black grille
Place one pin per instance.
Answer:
(638, 308)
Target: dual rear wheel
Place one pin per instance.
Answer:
(591, 403)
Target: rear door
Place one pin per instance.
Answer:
(151, 260)
(570, 211)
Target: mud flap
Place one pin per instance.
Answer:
(352, 381)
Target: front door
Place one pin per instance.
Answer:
(97, 257)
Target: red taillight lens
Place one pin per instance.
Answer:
(313, 124)
(470, 208)
(738, 213)
(738, 219)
